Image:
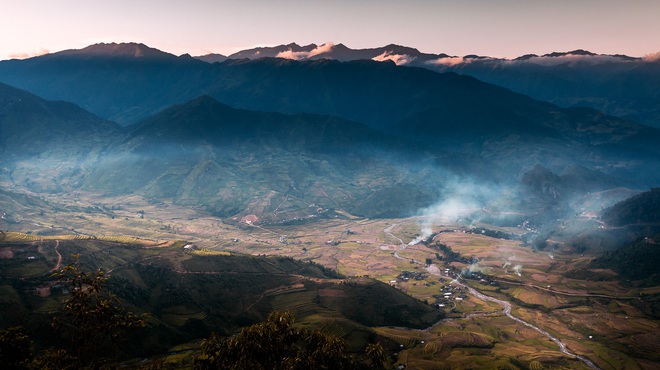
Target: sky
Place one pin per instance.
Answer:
(497, 28)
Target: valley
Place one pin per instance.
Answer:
(458, 223)
(508, 304)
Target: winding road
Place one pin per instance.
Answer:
(506, 305)
(59, 257)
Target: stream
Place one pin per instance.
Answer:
(505, 304)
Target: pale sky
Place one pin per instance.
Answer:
(498, 28)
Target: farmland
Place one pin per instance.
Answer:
(604, 321)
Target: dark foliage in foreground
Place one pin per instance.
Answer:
(90, 327)
(277, 344)
(15, 349)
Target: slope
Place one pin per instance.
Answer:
(119, 82)
(281, 168)
(617, 85)
(191, 292)
(45, 145)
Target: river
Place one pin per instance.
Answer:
(505, 304)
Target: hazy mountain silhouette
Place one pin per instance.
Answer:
(446, 111)
(120, 82)
(133, 88)
(286, 168)
(618, 85)
(212, 58)
(643, 208)
(47, 145)
(30, 125)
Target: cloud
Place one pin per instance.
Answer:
(549, 61)
(298, 55)
(36, 53)
(655, 57)
(449, 61)
(398, 59)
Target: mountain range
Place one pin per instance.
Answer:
(280, 137)
(617, 85)
(326, 160)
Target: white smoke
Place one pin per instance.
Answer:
(518, 270)
(299, 55)
(461, 198)
(551, 256)
(398, 59)
(426, 232)
(475, 267)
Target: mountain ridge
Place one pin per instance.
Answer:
(616, 85)
(235, 162)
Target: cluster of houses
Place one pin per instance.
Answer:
(483, 279)
(407, 275)
(449, 294)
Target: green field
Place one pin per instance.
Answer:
(219, 286)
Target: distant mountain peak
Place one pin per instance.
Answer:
(212, 58)
(574, 52)
(120, 50)
(526, 57)
(204, 100)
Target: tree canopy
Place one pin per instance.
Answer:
(277, 344)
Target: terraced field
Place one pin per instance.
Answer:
(604, 321)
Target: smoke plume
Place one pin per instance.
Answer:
(426, 231)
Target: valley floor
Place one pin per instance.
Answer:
(506, 304)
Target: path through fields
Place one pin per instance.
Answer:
(505, 304)
(59, 257)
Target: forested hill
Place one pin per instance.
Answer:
(643, 208)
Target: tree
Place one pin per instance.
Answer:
(377, 357)
(277, 344)
(92, 323)
(15, 349)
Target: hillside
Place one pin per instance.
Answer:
(637, 261)
(278, 167)
(617, 85)
(47, 145)
(444, 111)
(643, 208)
(31, 125)
(119, 82)
(191, 292)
